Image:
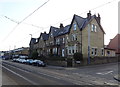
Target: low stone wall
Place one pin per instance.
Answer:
(57, 63)
(97, 60)
(93, 61)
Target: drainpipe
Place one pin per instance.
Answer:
(88, 43)
(81, 41)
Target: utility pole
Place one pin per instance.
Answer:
(88, 43)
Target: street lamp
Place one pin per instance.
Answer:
(30, 35)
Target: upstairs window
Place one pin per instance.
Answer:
(58, 41)
(74, 37)
(51, 35)
(63, 40)
(74, 27)
(93, 28)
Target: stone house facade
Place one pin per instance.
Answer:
(76, 37)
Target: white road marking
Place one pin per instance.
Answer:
(104, 73)
(20, 76)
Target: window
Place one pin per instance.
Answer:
(69, 51)
(74, 37)
(74, 26)
(63, 40)
(108, 52)
(102, 52)
(51, 35)
(94, 51)
(58, 41)
(94, 27)
(55, 50)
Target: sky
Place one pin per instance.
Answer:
(54, 12)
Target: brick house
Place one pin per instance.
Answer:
(115, 44)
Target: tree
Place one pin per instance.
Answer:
(78, 56)
(35, 55)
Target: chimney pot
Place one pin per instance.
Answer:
(98, 17)
(61, 25)
(89, 15)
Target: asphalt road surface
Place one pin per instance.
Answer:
(22, 74)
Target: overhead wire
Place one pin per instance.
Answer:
(18, 23)
(55, 23)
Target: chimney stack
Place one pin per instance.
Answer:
(89, 15)
(61, 25)
(44, 32)
(99, 18)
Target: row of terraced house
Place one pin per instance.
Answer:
(83, 35)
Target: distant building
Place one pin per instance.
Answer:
(115, 44)
(2, 53)
(109, 52)
(21, 51)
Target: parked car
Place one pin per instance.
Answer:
(23, 61)
(29, 61)
(17, 60)
(14, 60)
(39, 63)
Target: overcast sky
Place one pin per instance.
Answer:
(51, 14)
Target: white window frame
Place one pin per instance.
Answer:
(63, 40)
(93, 49)
(93, 28)
(74, 26)
(96, 51)
(102, 51)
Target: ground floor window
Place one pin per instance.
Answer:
(94, 51)
(72, 50)
(102, 52)
(63, 52)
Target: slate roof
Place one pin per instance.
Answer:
(32, 41)
(45, 36)
(54, 31)
(82, 22)
(63, 30)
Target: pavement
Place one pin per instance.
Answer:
(117, 77)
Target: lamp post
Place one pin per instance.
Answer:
(30, 35)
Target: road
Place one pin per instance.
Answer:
(22, 74)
